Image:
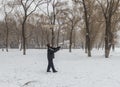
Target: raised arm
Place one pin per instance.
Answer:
(56, 49)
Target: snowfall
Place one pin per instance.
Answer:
(74, 69)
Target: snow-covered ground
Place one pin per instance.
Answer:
(74, 69)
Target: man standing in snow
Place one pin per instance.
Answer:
(50, 55)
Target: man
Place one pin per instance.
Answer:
(50, 56)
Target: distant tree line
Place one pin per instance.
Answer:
(82, 24)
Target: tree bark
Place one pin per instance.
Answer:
(23, 36)
(87, 30)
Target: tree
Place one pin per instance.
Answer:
(87, 8)
(7, 13)
(109, 8)
(28, 8)
(57, 8)
(73, 20)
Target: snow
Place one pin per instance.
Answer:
(74, 69)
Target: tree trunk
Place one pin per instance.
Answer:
(86, 46)
(58, 36)
(70, 39)
(87, 30)
(108, 38)
(53, 37)
(74, 39)
(7, 34)
(89, 48)
(23, 37)
(63, 40)
(7, 39)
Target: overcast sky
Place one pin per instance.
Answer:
(2, 12)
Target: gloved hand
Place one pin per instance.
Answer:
(59, 47)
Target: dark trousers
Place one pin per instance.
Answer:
(50, 65)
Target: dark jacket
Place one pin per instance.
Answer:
(51, 51)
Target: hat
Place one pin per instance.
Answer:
(48, 45)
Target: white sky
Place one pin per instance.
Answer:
(1, 7)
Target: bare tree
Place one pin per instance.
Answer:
(87, 5)
(7, 13)
(56, 6)
(108, 7)
(28, 8)
(73, 20)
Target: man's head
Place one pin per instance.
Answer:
(48, 45)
